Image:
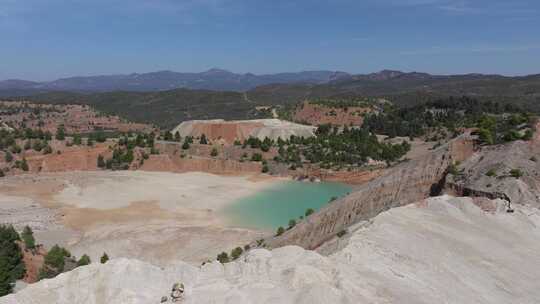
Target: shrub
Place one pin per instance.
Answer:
(534, 159)
(280, 231)
(101, 162)
(24, 165)
(214, 152)
(265, 169)
(8, 157)
(47, 150)
(491, 173)
(236, 253)
(104, 258)
(341, 233)
(256, 157)
(84, 260)
(38, 145)
(185, 146)
(77, 140)
(309, 212)
(516, 173)
(528, 135)
(292, 223)
(452, 169)
(15, 149)
(486, 136)
(223, 258)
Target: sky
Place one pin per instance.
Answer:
(48, 39)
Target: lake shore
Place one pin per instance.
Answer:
(154, 216)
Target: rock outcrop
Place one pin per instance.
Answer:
(442, 250)
(408, 182)
(229, 131)
(489, 173)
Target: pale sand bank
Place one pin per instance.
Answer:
(154, 216)
(172, 191)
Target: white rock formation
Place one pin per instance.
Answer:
(443, 250)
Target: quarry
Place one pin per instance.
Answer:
(388, 219)
(269, 152)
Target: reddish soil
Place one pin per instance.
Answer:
(62, 159)
(33, 261)
(75, 158)
(216, 166)
(75, 118)
(314, 114)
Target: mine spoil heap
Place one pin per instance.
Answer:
(230, 131)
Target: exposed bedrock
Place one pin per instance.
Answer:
(407, 183)
(494, 173)
(442, 250)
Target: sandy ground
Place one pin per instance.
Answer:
(153, 216)
(441, 250)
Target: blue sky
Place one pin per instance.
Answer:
(47, 39)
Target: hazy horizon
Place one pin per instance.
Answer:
(260, 74)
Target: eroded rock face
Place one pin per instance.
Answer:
(442, 250)
(488, 173)
(407, 183)
(230, 131)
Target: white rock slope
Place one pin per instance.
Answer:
(444, 250)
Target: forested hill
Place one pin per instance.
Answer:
(411, 88)
(164, 109)
(213, 79)
(168, 108)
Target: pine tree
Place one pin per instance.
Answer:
(28, 237)
(203, 140)
(60, 133)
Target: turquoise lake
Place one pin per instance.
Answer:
(277, 204)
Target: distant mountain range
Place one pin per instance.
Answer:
(214, 79)
(290, 84)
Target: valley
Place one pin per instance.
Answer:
(216, 197)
